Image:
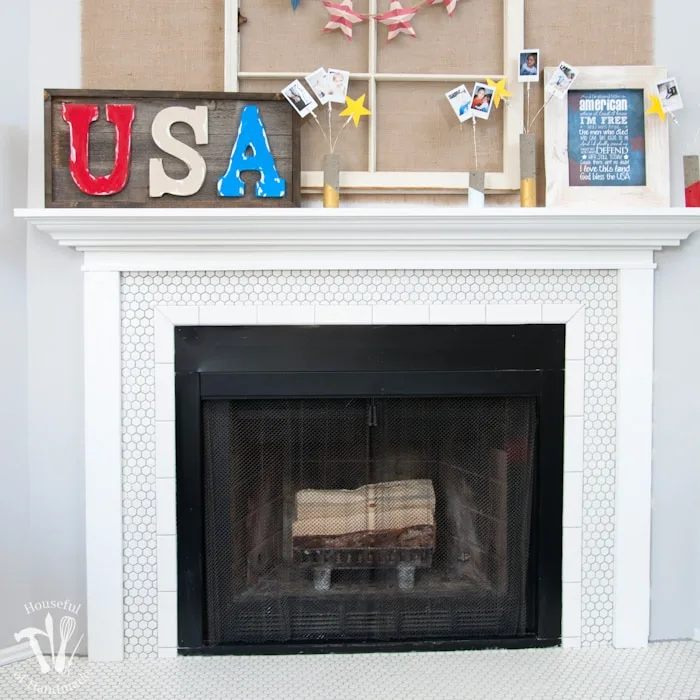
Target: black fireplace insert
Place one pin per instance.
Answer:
(360, 488)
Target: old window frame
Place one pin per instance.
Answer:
(400, 181)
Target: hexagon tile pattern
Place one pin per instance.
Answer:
(142, 292)
(664, 671)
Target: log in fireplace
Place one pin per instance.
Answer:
(358, 488)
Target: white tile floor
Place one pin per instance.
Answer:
(668, 671)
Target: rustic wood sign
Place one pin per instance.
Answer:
(170, 149)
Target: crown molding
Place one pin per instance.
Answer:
(322, 238)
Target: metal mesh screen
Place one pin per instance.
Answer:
(367, 519)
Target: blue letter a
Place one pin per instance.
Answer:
(251, 134)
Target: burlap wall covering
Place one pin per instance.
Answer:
(153, 44)
(178, 44)
(587, 33)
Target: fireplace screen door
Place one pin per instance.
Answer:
(367, 518)
(368, 487)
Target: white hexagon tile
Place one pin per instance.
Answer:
(142, 292)
(665, 671)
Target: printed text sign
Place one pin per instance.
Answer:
(606, 138)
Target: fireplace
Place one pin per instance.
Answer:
(368, 487)
(148, 272)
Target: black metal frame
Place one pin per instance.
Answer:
(267, 362)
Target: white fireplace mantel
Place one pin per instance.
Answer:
(169, 240)
(292, 239)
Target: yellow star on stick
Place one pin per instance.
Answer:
(656, 107)
(355, 109)
(499, 90)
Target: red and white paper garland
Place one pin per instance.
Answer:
(398, 20)
(343, 16)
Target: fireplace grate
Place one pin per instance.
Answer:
(367, 519)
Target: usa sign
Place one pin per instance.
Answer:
(169, 149)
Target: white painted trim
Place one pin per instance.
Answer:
(231, 45)
(103, 466)
(411, 238)
(15, 653)
(635, 343)
(513, 44)
(372, 91)
(571, 642)
(458, 314)
(393, 182)
(636, 228)
(167, 652)
(259, 254)
(381, 77)
(571, 605)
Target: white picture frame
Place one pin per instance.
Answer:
(372, 181)
(657, 191)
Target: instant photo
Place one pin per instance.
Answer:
(460, 101)
(337, 85)
(318, 81)
(670, 95)
(298, 96)
(561, 80)
(482, 101)
(529, 66)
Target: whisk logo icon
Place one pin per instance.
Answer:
(58, 634)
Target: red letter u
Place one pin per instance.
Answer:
(79, 117)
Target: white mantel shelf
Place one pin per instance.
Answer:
(355, 238)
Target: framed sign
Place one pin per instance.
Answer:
(170, 149)
(601, 147)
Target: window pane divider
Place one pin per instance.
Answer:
(386, 182)
(382, 77)
(372, 87)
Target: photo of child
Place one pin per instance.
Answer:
(670, 96)
(460, 101)
(337, 85)
(529, 64)
(317, 81)
(297, 96)
(561, 80)
(482, 100)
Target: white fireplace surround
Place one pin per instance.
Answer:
(163, 241)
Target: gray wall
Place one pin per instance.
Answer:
(41, 419)
(15, 548)
(675, 592)
(55, 334)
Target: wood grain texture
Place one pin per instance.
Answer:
(656, 193)
(282, 126)
(417, 536)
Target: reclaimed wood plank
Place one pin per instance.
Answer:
(282, 126)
